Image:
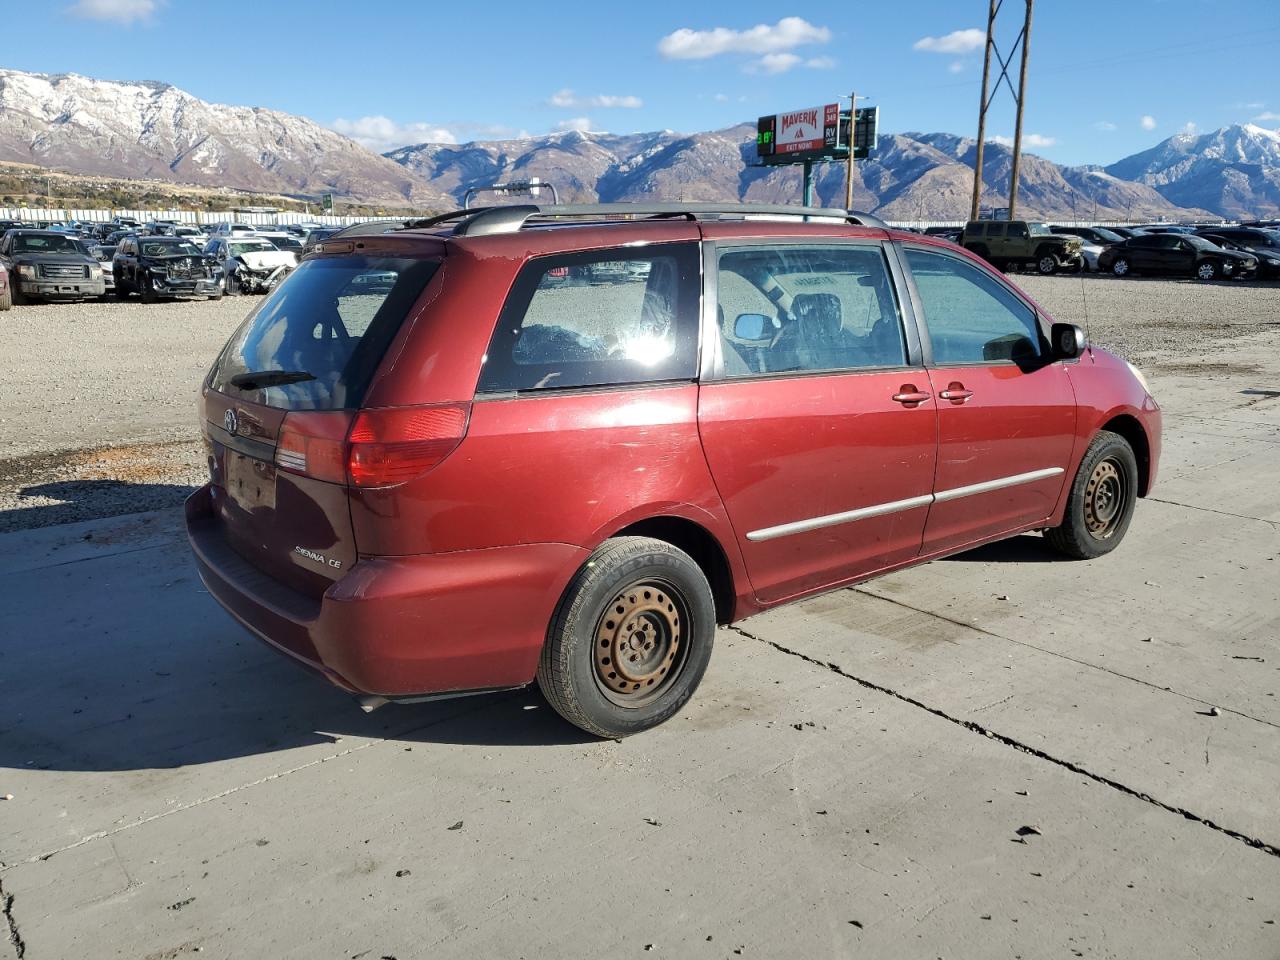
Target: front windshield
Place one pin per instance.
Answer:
(45, 244)
(1200, 243)
(1038, 230)
(180, 248)
(250, 246)
(1108, 236)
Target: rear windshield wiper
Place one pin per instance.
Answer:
(258, 379)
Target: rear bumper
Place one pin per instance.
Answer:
(398, 626)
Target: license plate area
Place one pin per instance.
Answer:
(250, 483)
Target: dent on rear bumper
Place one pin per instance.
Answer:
(403, 626)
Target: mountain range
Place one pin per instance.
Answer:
(147, 129)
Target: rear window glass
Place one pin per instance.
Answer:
(326, 328)
(598, 319)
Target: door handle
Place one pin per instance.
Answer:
(908, 394)
(956, 392)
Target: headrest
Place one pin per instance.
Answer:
(817, 313)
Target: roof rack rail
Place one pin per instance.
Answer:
(368, 228)
(512, 218)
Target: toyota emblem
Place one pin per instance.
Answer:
(229, 421)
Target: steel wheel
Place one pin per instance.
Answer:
(1105, 496)
(638, 646)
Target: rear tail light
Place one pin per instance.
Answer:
(314, 444)
(395, 444)
(380, 448)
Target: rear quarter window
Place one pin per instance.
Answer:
(598, 319)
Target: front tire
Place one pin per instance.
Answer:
(1047, 265)
(6, 299)
(1208, 270)
(631, 638)
(1120, 267)
(1101, 502)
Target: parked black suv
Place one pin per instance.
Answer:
(1184, 255)
(164, 267)
(46, 265)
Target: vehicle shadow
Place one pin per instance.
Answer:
(121, 661)
(68, 501)
(1027, 548)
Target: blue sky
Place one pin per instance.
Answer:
(1108, 77)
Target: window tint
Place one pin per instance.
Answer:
(331, 319)
(596, 319)
(995, 229)
(790, 307)
(1018, 230)
(971, 316)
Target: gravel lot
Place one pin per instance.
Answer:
(98, 407)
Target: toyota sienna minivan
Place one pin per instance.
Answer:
(564, 443)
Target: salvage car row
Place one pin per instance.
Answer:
(1207, 252)
(61, 265)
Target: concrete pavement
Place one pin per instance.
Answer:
(1001, 754)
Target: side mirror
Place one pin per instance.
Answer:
(1067, 341)
(753, 326)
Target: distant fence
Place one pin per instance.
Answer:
(195, 217)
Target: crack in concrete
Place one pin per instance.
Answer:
(15, 936)
(1221, 513)
(978, 728)
(863, 591)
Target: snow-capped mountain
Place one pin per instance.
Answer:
(912, 176)
(145, 129)
(1234, 171)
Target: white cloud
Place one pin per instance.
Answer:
(380, 134)
(820, 63)
(582, 124)
(1267, 116)
(1188, 128)
(121, 11)
(956, 66)
(773, 63)
(957, 41)
(567, 98)
(1148, 122)
(1106, 126)
(787, 34)
(721, 98)
(1028, 140)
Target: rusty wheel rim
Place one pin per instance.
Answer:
(640, 642)
(1104, 499)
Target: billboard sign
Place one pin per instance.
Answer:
(813, 131)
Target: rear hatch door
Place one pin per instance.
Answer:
(302, 361)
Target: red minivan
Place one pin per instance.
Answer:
(564, 443)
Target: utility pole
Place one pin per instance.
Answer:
(982, 112)
(988, 95)
(1022, 99)
(808, 183)
(848, 172)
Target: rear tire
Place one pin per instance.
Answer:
(631, 638)
(1100, 504)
